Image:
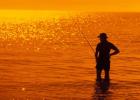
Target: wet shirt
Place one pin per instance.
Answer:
(103, 49)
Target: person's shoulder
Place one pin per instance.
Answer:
(110, 43)
(99, 44)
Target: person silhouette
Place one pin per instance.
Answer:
(103, 55)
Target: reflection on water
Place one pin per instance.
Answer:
(101, 90)
(50, 60)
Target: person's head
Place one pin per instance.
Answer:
(103, 37)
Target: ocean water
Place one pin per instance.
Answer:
(49, 59)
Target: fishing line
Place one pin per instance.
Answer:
(85, 38)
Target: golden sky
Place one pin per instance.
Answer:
(91, 5)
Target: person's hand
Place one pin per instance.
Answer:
(96, 61)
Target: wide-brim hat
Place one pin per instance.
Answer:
(102, 35)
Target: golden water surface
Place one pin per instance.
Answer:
(44, 56)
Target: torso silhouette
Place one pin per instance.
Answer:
(104, 50)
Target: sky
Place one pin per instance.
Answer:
(87, 5)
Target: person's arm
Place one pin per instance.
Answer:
(96, 53)
(116, 50)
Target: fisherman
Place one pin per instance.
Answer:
(103, 55)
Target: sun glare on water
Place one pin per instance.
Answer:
(26, 29)
(30, 15)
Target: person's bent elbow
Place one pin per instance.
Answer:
(118, 51)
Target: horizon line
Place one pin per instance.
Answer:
(69, 10)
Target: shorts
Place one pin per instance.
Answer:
(103, 65)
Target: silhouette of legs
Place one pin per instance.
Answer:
(106, 74)
(98, 73)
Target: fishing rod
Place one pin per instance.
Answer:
(84, 36)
